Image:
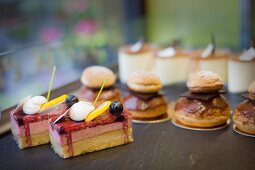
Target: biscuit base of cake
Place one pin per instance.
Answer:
(92, 144)
(36, 139)
(31, 130)
(31, 140)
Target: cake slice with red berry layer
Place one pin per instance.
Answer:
(29, 121)
(107, 126)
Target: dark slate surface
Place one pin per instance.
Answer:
(155, 146)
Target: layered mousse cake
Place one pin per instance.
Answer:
(244, 114)
(133, 57)
(203, 105)
(145, 100)
(92, 79)
(29, 121)
(167, 65)
(107, 126)
(241, 71)
(210, 59)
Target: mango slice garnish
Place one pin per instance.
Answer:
(53, 102)
(100, 110)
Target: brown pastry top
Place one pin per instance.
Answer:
(144, 81)
(204, 81)
(245, 112)
(201, 108)
(90, 94)
(133, 102)
(144, 77)
(94, 76)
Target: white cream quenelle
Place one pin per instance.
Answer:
(33, 104)
(79, 111)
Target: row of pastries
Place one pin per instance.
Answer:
(100, 115)
(174, 65)
(203, 106)
(75, 125)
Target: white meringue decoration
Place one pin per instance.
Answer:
(168, 52)
(137, 46)
(248, 55)
(208, 51)
(79, 111)
(33, 105)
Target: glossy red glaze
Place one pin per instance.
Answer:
(125, 128)
(69, 143)
(68, 125)
(23, 118)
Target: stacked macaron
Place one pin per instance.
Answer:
(244, 115)
(145, 101)
(92, 79)
(203, 105)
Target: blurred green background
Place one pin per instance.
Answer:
(192, 21)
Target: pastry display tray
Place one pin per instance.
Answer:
(155, 146)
